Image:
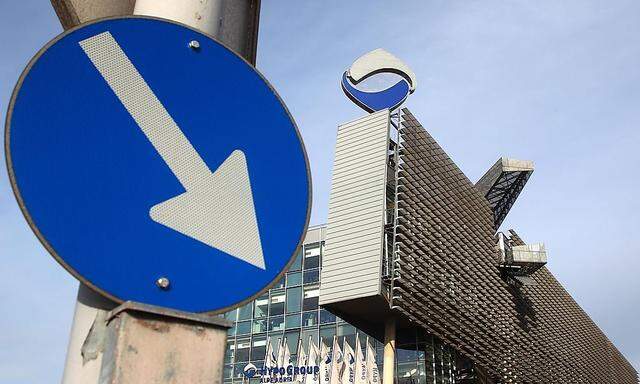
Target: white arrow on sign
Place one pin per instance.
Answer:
(217, 207)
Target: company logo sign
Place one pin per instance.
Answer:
(279, 374)
(373, 63)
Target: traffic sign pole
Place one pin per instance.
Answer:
(89, 332)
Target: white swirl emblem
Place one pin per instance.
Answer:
(373, 63)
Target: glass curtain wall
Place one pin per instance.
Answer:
(290, 310)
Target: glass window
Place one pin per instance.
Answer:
(244, 312)
(294, 299)
(407, 373)
(327, 332)
(275, 339)
(259, 325)
(231, 315)
(277, 303)
(422, 372)
(276, 323)
(309, 319)
(230, 352)
(311, 295)
(406, 353)
(327, 317)
(261, 306)
(292, 338)
(242, 350)
(228, 371)
(420, 353)
(243, 327)
(428, 350)
(306, 333)
(312, 276)
(238, 372)
(297, 264)
(232, 331)
(312, 256)
(258, 348)
(292, 321)
(279, 284)
(363, 342)
(348, 331)
(437, 362)
(294, 278)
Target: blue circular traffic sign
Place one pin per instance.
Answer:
(158, 166)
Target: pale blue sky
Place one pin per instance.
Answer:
(557, 82)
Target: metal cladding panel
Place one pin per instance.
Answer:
(352, 262)
(449, 283)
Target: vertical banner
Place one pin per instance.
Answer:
(286, 355)
(348, 373)
(337, 360)
(280, 357)
(314, 353)
(361, 364)
(372, 367)
(270, 360)
(325, 363)
(301, 362)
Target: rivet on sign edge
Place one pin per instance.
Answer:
(163, 283)
(194, 44)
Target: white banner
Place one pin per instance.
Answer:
(361, 364)
(325, 363)
(349, 371)
(312, 362)
(302, 362)
(286, 355)
(269, 356)
(280, 357)
(337, 361)
(372, 367)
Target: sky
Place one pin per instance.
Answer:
(556, 82)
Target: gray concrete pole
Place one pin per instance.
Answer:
(388, 364)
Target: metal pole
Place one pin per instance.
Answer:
(388, 365)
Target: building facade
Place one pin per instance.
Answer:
(413, 245)
(290, 310)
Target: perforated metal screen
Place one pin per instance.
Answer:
(449, 282)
